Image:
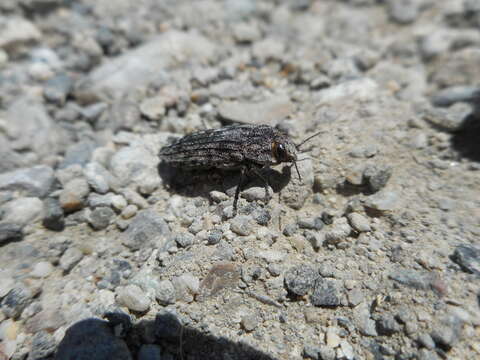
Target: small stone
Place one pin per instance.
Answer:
(359, 222)
(338, 231)
(331, 337)
(218, 196)
(16, 301)
(58, 88)
(129, 212)
(96, 200)
(268, 49)
(453, 94)
(468, 258)
(311, 352)
(325, 294)
(450, 119)
(70, 258)
(376, 177)
(186, 286)
(153, 108)
(92, 112)
(133, 297)
(100, 217)
(290, 229)
(447, 334)
(53, 218)
(148, 228)
(355, 297)
(43, 345)
(387, 325)
(255, 193)
(246, 32)
(35, 181)
(78, 153)
(17, 31)
(119, 203)
(403, 11)
(10, 232)
(241, 225)
(42, 269)
(347, 350)
(383, 201)
(184, 239)
(326, 353)
(362, 320)
(72, 197)
(97, 176)
(300, 279)
(312, 223)
(261, 216)
(426, 341)
(249, 322)
(22, 211)
(214, 237)
(165, 293)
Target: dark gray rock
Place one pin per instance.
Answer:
(311, 223)
(451, 95)
(58, 88)
(184, 239)
(300, 279)
(43, 345)
(468, 258)
(214, 236)
(376, 177)
(290, 229)
(311, 351)
(146, 229)
(261, 216)
(387, 325)
(325, 293)
(10, 232)
(92, 339)
(53, 217)
(79, 153)
(413, 278)
(15, 301)
(36, 181)
(403, 11)
(100, 217)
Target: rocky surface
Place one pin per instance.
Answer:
(373, 254)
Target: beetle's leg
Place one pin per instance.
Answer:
(237, 191)
(266, 184)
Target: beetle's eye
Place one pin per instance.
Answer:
(281, 152)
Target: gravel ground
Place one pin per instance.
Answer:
(374, 254)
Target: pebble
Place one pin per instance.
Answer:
(362, 320)
(325, 293)
(403, 11)
(97, 177)
(35, 181)
(186, 286)
(355, 297)
(135, 198)
(312, 223)
(165, 294)
(22, 211)
(453, 94)
(17, 31)
(184, 239)
(16, 301)
(426, 341)
(387, 325)
(268, 49)
(78, 153)
(214, 237)
(359, 222)
(53, 218)
(42, 269)
(119, 203)
(376, 177)
(331, 337)
(153, 108)
(249, 322)
(72, 197)
(383, 201)
(241, 225)
(92, 339)
(58, 88)
(70, 258)
(450, 119)
(246, 32)
(468, 258)
(129, 211)
(218, 196)
(146, 229)
(300, 279)
(261, 216)
(133, 297)
(10, 232)
(43, 345)
(338, 231)
(101, 217)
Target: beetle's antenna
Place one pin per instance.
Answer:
(298, 172)
(308, 139)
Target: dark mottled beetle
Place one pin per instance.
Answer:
(248, 148)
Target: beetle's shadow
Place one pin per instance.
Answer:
(94, 338)
(199, 183)
(466, 140)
